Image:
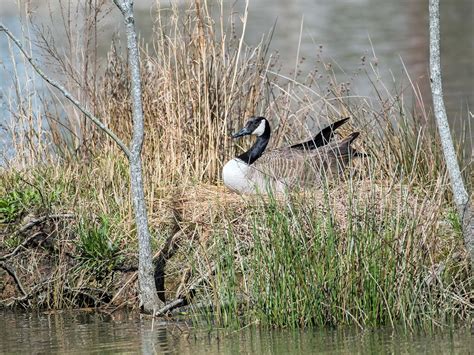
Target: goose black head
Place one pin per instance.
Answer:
(256, 126)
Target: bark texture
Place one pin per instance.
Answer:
(148, 296)
(461, 197)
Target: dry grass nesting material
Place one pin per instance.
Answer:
(210, 206)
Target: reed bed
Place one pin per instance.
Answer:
(380, 246)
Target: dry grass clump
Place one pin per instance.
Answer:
(355, 252)
(197, 87)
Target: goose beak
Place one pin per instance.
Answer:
(243, 132)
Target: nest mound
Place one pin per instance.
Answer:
(208, 205)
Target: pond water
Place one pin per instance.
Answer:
(88, 333)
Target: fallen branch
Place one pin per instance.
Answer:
(19, 247)
(185, 299)
(10, 271)
(179, 302)
(39, 220)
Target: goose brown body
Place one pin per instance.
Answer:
(288, 168)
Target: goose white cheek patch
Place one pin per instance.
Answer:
(260, 129)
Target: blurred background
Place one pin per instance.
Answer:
(384, 36)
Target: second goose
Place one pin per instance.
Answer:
(279, 170)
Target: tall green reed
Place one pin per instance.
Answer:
(365, 260)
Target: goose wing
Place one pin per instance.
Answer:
(334, 156)
(288, 166)
(305, 167)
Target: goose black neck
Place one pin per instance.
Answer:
(257, 149)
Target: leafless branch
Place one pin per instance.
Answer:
(19, 247)
(12, 273)
(41, 219)
(461, 197)
(65, 92)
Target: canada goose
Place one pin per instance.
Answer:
(300, 165)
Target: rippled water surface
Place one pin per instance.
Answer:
(81, 333)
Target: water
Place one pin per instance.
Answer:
(88, 333)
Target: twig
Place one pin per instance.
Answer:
(29, 225)
(184, 299)
(125, 269)
(66, 93)
(12, 273)
(17, 249)
(37, 288)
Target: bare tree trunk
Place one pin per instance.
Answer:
(148, 295)
(461, 197)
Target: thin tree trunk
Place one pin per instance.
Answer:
(148, 295)
(461, 197)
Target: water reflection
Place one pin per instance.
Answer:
(86, 332)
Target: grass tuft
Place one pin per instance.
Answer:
(96, 252)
